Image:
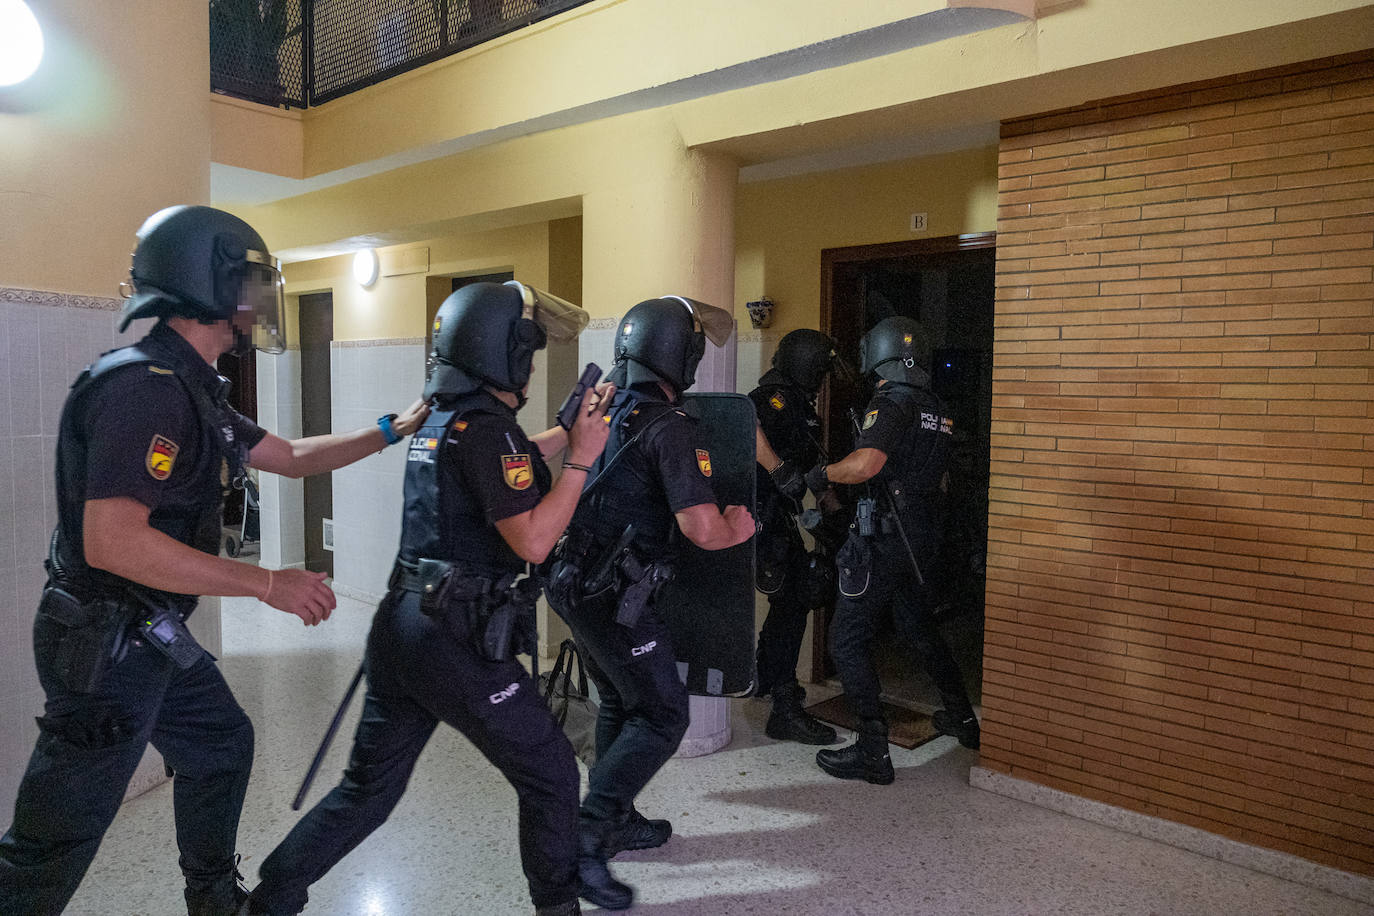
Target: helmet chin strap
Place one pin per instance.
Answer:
(243, 343)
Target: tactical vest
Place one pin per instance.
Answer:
(196, 522)
(625, 489)
(443, 519)
(917, 467)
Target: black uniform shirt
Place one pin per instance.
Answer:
(789, 423)
(490, 471)
(135, 432)
(496, 462)
(908, 426)
(144, 436)
(666, 471)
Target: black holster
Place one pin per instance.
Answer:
(93, 634)
(581, 569)
(643, 582)
(495, 614)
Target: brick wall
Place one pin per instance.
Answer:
(1180, 618)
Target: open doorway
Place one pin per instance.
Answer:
(242, 372)
(948, 285)
(317, 332)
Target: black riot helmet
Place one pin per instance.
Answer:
(482, 337)
(664, 339)
(488, 333)
(898, 350)
(805, 356)
(203, 263)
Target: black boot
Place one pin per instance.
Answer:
(789, 721)
(865, 759)
(637, 832)
(598, 885)
(227, 898)
(965, 728)
(567, 908)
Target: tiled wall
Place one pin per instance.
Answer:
(1179, 611)
(370, 378)
(45, 341)
(281, 498)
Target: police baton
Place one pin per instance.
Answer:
(892, 507)
(327, 740)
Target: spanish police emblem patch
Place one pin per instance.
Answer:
(162, 454)
(516, 470)
(704, 462)
(777, 402)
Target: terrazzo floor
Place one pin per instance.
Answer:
(759, 830)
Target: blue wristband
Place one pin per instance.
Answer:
(384, 424)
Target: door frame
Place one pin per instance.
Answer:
(831, 258)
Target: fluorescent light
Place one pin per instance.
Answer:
(21, 42)
(366, 266)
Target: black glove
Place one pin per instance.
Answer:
(816, 480)
(788, 480)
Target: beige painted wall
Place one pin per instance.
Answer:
(781, 226)
(394, 307)
(114, 126)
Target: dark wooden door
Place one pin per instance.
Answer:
(317, 331)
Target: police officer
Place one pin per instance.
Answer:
(479, 506)
(787, 445)
(649, 488)
(901, 453)
(147, 445)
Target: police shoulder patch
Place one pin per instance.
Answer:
(870, 418)
(517, 472)
(460, 425)
(777, 402)
(162, 455)
(704, 462)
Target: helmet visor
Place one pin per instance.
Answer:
(716, 324)
(560, 319)
(262, 297)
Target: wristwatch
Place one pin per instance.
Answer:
(384, 424)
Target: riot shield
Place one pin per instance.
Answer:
(709, 604)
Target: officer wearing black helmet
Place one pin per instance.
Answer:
(650, 487)
(901, 453)
(480, 505)
(787, 444)
(146, 446)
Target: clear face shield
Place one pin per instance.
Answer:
(260, 315)
(559, 318)
(717, 324)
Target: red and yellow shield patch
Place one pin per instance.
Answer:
(162, 455)
(777, 402)
(704, 462)
(517, 471)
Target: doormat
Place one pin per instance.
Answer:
(905, 728)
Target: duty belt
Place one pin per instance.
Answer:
(407, 577)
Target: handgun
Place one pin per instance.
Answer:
(567, 414)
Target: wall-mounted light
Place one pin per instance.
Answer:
(366, 265)
(21, 42)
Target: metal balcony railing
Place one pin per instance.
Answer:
(299, 53)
